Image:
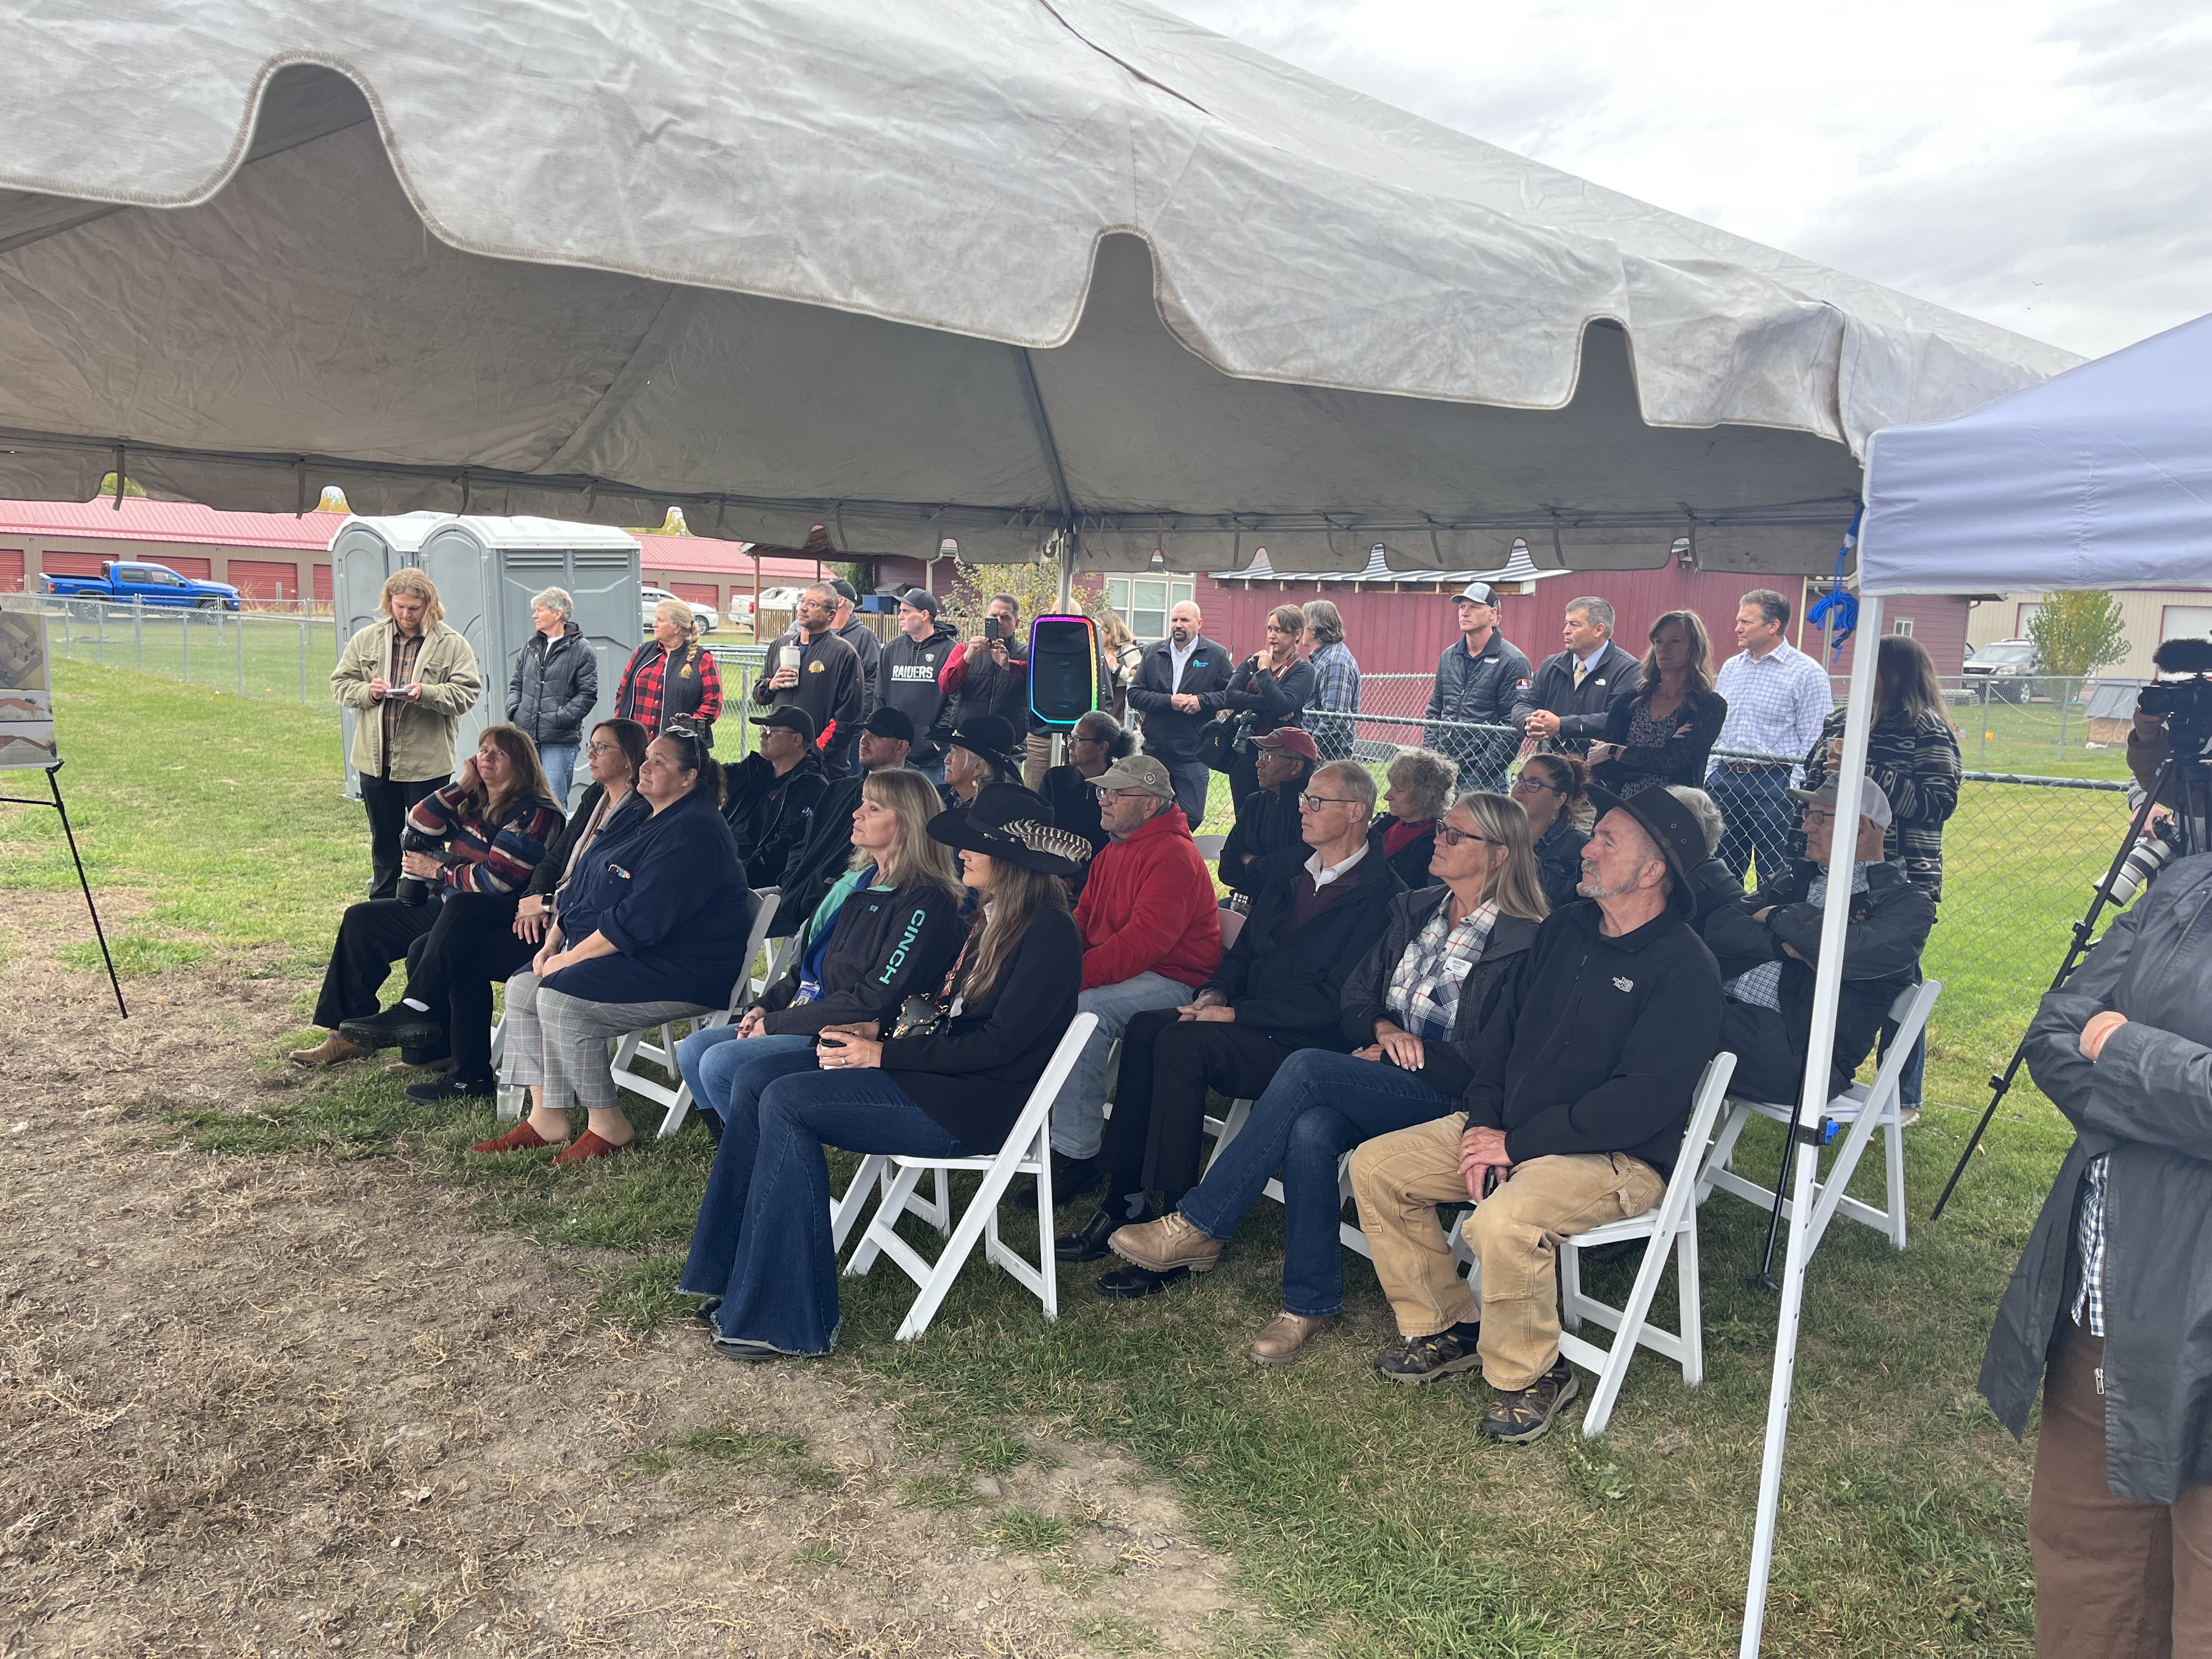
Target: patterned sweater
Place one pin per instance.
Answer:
(1918, 766)
(486, 857)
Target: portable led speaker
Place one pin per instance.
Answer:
(1063, 669)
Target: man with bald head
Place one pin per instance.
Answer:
(1181, 685)
(1582, 1078)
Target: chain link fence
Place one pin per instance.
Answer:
(276, 655)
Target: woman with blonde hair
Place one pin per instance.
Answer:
(948, 1081)
(889, 926)
(1124, 657)
(1666, 732)
(1413, 1006)
(1420, 788)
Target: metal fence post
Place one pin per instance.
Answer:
(138, 629)
(185, 617)
(1985, 722)
(2065, 701)
(240, 631)
(99, 614)
(303, 660)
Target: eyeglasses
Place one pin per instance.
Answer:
(1525, 782)
(1452, 837)
(601, 748)
(1083, 739)
(1315, 803)
(1122, 794)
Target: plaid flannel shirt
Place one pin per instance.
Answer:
(2089, 1237)
(1425, 984)
(643, 686)
(1918, 768)
(1775, 703)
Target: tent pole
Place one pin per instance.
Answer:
(1812, 1102)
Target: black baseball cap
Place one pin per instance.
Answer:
(920, 598)
(892, 723)
(791, 717)
(844, 590)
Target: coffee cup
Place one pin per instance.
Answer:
(789, 656)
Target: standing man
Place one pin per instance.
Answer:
(846, 624)
(826, 682)
(990, 674)
(1582, 1078)
(1566, 704)
(1478, 678)
(911, 664)
(1777, 698)
(410, 678)
(554, 684)
(1151, 936)
(1181, 685)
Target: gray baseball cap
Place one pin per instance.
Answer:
(1144, 772)
(1480, 592)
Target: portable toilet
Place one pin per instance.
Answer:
(363, 553)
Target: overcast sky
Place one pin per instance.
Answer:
(2045, 166)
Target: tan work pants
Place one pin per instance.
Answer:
(1400, 1179)
(1036, 761)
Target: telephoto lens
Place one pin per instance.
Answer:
(2145, 859)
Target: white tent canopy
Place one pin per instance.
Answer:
(916, 269)
(2100, 478)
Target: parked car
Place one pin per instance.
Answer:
(2003, 667)
(118, 583)
(703, 619)
(781, 598)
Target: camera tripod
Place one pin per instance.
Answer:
(2183, 770)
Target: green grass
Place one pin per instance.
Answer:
(1368, 1515)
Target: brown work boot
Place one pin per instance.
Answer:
(330, 1051)
(1284, 1338)
(1163, 1246)
(1525, 1414)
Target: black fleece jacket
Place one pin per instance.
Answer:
(1595, 1044)
(886, 945)
(1288, 986)
(1447, 1067)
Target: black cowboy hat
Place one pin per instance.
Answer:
(1007, 822)
(990, 736)
(1674, 826)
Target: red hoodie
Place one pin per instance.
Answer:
(1148, 907)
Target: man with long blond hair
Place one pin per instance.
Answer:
(408, 678)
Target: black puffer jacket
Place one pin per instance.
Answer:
(886, 947)
(1288, 986)
(554, 685)
(2144, 1104)
(1449, 1066)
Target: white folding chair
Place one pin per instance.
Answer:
(1027, 1150)
(1865, 1107)
(634, 1046)
(1226, 1129)
(1670, 1225)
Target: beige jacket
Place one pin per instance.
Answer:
(423, 733)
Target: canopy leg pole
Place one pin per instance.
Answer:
(1812, 1105)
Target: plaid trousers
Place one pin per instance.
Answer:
(560, 1042)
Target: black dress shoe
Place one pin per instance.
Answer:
(1072, 1177)
(1128, 1281)
(448, 1086)
(1088, 1244)
(396, 1027)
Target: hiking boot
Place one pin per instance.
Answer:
(1526, 1415)
(333, 1050)
(1284, 1338)
(1161, 1246)
(1426, 1359)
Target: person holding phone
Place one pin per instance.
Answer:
(948, 1080)
(815, 671)
(990, 674)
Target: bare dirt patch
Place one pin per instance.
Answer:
(297, 1405)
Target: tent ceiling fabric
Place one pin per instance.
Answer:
(2100, 478)
(538, 245)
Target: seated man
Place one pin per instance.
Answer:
(815, 863)
(1582, 1078)
(1267, 817)
(1766, 944)
(1278, 989)
(773, 791)
(1151, 937)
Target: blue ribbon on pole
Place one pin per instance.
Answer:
(1836, 613)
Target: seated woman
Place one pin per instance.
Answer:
(494, 820)
(652, 928)
(1096, 744)
(949, 1083)
(1267, 817)
(979, 754)
(480, 938)
(1278, 990)
(1420, 788)
(889, 926)
(1666, 732)
(1553, 790)
(1413, 1006)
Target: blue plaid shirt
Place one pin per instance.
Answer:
(1775, 703)
(1336, 678)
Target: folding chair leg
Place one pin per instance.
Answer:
(845, 1209)
(955, 1255)
(1571, 1286)
(1893, 1132)
(1722, 1155)
(1600, 1411)
(896, 1192)
(1690, 1296)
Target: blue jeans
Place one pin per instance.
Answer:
(1079, 1115)
(1192, 779)
(763, 1239)
(1320, 1106)
(1759, 815)
(727, 1072)
(559, 760)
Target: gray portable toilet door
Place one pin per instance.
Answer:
(605, 585)
(460, 569)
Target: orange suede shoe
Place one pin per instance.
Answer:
(520, 1139)
(591, 1145)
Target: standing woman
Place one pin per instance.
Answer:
(1273, 687)
(949, 1083)
(1124, 657)
(1419, 789)
(554, 684)
(1336, 680)
(1912, 752)
(1665, 733)
(671, 677)
(1553, 790)
(653, 928)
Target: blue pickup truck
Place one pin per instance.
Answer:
(153, 584)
